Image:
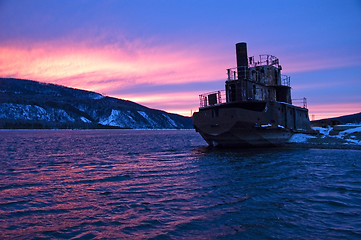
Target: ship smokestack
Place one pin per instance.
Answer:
(242, 60)
(241, 51)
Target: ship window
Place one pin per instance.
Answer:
(232, 94)
(254, 89)
(212, 99)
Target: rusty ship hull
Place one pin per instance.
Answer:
(250, 125)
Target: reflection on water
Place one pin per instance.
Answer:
(168, 185)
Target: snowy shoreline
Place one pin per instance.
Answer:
(336, 137)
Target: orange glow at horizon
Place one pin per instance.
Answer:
(183, 103)
(321, 111)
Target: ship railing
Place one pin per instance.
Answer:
(301, 102)
(237, 73)
(264, 59)
(243, 73)
(285, 80)
(212, 98)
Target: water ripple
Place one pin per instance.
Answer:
(167, 185)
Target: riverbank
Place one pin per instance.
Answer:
(335, 137)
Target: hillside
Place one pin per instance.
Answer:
(351, 119)
(31, 104)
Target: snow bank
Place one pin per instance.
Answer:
(171, 121)
(84, 119)
(353, 141)
(300, 138)
(118, 118)
(347, 134)
(33, 112)
(146, 117)
(323, 131)
(351, 130)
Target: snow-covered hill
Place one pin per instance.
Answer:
(31, 104)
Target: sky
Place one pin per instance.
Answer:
(164, 53)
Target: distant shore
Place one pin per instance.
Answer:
(335, 137)
(95, 129)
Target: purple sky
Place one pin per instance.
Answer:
(163, 54)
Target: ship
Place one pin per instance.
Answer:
(255, 109)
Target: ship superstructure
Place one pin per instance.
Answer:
(255, 108)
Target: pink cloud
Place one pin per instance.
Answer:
(87, 66)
